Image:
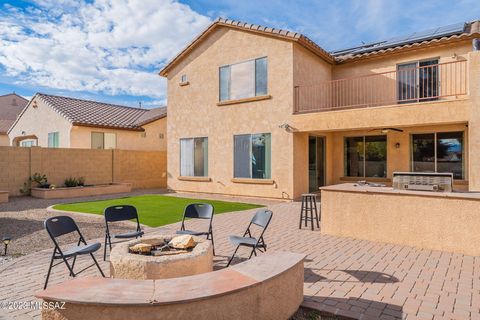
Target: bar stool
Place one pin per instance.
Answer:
(309, 205)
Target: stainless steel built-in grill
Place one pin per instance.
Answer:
(423, 181)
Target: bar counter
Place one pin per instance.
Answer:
(447, 221)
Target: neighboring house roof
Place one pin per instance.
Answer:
(11, 105)
(151, 115)
(271, 32)
(98, 114)
(457, 31)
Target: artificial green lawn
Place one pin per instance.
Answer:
(154, 210)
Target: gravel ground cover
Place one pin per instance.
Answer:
(22, 219)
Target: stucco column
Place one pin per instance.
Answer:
(300, 164)
(474, 122)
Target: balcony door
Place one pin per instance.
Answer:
(418, 81)
(316, 163)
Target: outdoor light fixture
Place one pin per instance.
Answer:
(397, 145)
(6, 241)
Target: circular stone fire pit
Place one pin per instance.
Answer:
(126, 265)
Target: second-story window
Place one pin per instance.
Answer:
(243, 80)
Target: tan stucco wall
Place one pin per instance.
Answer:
(291, 65)
(474, 121)
(4, 140)
(40, 122)
(192, 112)
(309, 69)
(81, 137)
(431, 221)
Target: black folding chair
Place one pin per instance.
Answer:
(59, 226)
(261, 219)
(199, 211)
(120, 213)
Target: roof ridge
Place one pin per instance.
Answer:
(13, 94)
(301, 39)
(86, 100)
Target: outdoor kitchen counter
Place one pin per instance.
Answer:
(430, 220)
(354, 187)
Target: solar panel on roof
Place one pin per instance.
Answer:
(444, 31)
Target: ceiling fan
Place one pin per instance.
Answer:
(385, 130)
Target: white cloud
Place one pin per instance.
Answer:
(108, 46)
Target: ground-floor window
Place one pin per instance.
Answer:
(438, 152)
(28, 143)
(53, 140)
(366, 156)
(252, 156)
(194, 157)
(104, 140)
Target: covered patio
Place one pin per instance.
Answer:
(343, 276)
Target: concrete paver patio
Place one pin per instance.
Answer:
(344, 276)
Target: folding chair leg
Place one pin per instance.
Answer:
(48, 273)
(72, 274)
(98, 266)
(253, 252)
(211, 239)
(233, 255)
(73, 263)
(105, 249)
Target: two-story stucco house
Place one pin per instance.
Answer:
(257, 111)
(63, 122)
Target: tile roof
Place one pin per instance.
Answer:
(99, 114)
(151, 115)
(11, 105)
(273, 32)
(457, 31)
(441, 34)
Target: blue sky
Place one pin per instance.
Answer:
(111, 50)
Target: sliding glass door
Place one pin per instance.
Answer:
(418, 81)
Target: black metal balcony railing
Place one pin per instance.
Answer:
(408, 85)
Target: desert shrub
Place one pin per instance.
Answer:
(71, 182)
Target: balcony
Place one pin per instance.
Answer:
(439, 81)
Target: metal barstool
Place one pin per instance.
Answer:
(309, 205)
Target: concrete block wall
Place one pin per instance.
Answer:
(144, 169)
